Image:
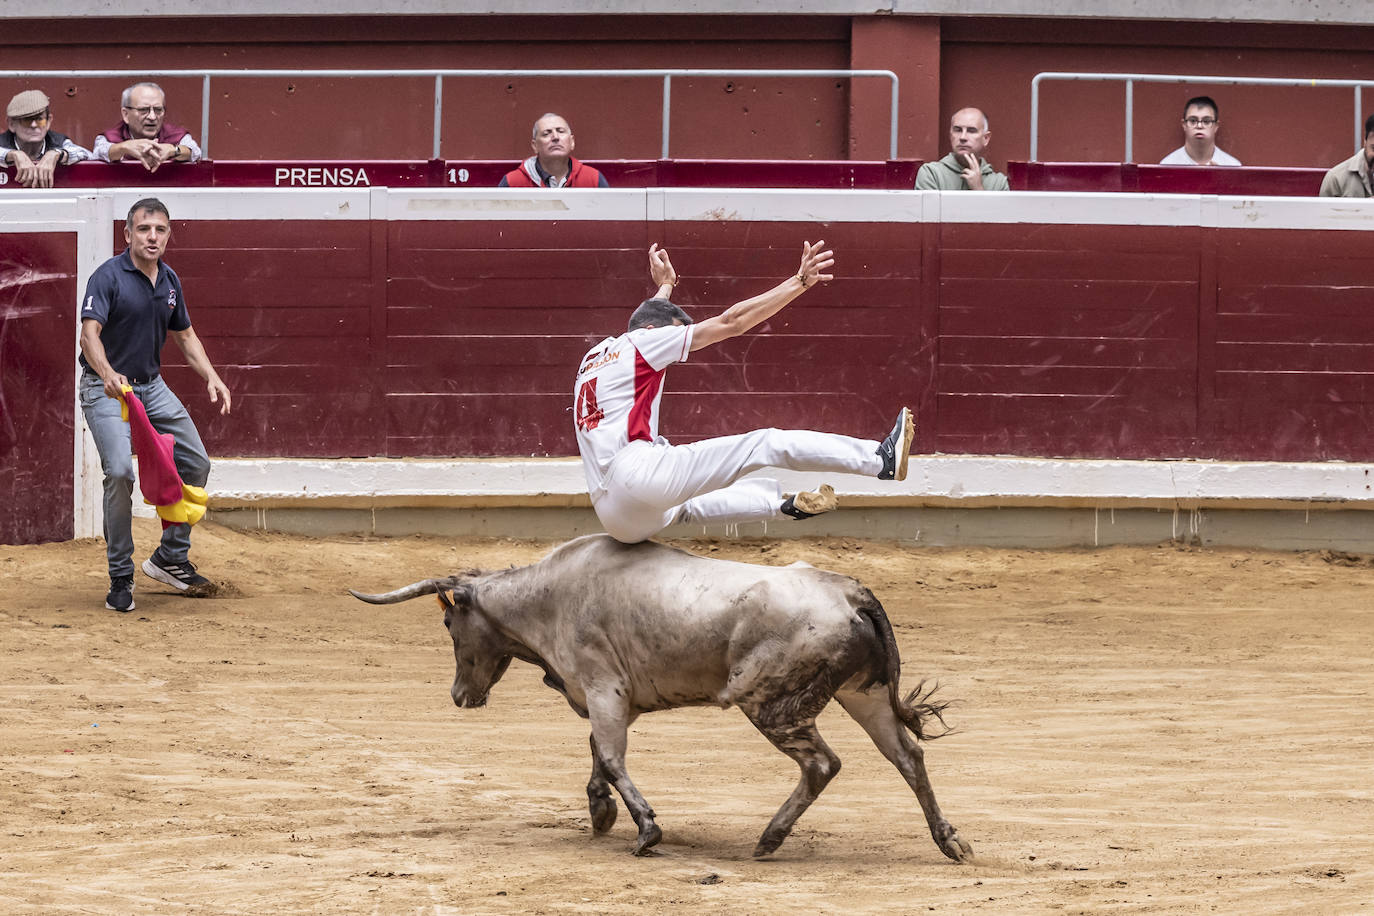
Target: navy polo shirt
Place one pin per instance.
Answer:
(135, 314)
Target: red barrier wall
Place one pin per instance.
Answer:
(438, 338)
(292, 313)
(37, 385)
(896, 174)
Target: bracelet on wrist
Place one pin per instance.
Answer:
(801, 278)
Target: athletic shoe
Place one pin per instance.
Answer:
(896, 448)
(121, 596)
(180, 576)
(807, 505)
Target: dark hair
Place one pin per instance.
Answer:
(152, 205)
(1368, 126)
(657, 313)
(1199, 101)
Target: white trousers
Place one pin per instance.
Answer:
(649, 486)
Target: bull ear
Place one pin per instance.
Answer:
(453, 593)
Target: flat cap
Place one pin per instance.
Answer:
(28, 102)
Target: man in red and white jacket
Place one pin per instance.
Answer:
(640, 484)
(553, 165)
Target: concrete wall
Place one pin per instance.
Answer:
(943, 61)
(1295, 11)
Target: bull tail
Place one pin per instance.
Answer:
(415, 590)
(918, 711)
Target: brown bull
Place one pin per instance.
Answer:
(622, 630)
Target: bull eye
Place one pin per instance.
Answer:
(448, 618)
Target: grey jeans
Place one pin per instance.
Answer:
(112, 441)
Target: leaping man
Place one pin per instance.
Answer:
(640, 483)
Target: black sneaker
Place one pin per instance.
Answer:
(180, 576)
(809, 505)
(121, 596)
(896, 448)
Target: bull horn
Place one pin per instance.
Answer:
(415, 590)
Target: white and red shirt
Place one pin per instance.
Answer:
(617, 393)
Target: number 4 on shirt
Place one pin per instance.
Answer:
(589, 415)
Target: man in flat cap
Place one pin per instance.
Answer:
(31, 145)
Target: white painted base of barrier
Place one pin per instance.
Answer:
(936, 480)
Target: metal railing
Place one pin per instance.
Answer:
(1130, 79)
(666, 75)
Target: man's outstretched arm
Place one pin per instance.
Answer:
(745, 315)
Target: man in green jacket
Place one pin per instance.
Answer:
(963, 169)
(1355, 176)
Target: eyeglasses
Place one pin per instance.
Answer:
(147, 110)
(1199, 122)
(40, 118)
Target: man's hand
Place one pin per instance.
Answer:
(973, 172)
(148, 152)
(114, 385)
(661, 271)
(219, 393)
(167, 152)
(813, 264)
(38, 174)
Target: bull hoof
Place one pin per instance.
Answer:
(954, 846)
(769, 843)
(648, 838)
(603, 810)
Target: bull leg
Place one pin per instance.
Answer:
(874, 712)
(610, 718)
(819, 764)
(600, 802)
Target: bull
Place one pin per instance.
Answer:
(621, 630)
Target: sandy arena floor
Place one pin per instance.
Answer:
(1153, 730)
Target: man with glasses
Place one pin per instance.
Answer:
(1200, 125)
(31, 145)
(143, 136)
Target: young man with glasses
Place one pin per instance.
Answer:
(1200, 126)
(142, 135)
(30, 144)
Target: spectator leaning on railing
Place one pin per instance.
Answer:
(1352, 177)
(143, 135)
(31, 145)
(962, 170)
(553, 165)
(1201, 121)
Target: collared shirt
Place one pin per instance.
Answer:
(72, 152)
(135, 314)
(1350, 178)
(1180, 157)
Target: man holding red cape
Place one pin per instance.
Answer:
(132, 302)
